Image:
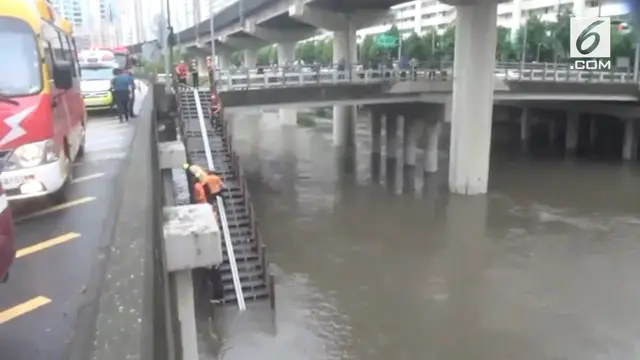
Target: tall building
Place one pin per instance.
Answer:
(421, 16)
(72, 10)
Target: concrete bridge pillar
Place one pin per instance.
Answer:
(553, 132)
(473, 83)
(391, 133)
(250, 58)
(344, 47)
(432, 128)
(286, 54)
(376, 132)
(224, 61)
(593, 130)
(525, 129)
(202, 64)
(630, 146)
(409, 137)
(571, 137)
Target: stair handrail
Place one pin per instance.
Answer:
(223, 216)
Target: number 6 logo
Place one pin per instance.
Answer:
(590, 37)
(587, 34)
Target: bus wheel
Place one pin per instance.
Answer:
(61, 196)
(82, 142)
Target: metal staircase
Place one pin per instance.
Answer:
(247, 248)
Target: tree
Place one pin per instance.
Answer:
(535, 38)
(415, 47)
(446, 45)
(505, 51)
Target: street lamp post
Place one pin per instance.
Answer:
(523, 55)
(213, 41)
(165, 46)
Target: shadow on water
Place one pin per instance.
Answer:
(544, 267)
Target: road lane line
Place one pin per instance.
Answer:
(55, 208)
(21, 309)
(88, 177)
(46, 244)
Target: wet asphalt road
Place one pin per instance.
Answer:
(58, 248)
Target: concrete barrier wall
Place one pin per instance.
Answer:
(131, 312)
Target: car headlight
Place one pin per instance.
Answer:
(34, 154)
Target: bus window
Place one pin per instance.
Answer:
(51, 34)
(71, 58)
(48, 58)
(21, 64)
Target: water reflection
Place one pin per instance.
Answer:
(544, 267)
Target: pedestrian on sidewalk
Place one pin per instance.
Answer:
(121, 85)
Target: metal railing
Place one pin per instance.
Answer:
(262, 248)
(221, 211)
(298, 76)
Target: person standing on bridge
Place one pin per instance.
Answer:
(210, 71)
(181, 72)
(215, 108)
(195, 76)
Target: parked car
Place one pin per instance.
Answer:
(7, 241)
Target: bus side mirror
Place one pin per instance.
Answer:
(63, 75)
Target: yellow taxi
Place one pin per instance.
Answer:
(96, 85)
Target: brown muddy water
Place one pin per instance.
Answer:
(544, 267)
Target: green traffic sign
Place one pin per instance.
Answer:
(385, 40)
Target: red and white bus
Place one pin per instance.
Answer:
(7, 237)
(42, 114)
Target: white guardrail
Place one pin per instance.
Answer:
(278, 77)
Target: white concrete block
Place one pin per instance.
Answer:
(172, 154)
(192, 237)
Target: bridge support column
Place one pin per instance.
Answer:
(391, 133)
(409, 136)
(376, 132)
(593, 131)
(525, 128)
(250, 58)
(571, 137)
(431, 137)
(344, 47)
(630, 146)
(553, 132)
(286, 54)
(224, 61)
(476, 31)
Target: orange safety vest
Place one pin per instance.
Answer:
(210, 181)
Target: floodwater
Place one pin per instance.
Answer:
(545, 266)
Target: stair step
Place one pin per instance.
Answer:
(247, 284)
(246, 265)
(244, 275)
(255, 294)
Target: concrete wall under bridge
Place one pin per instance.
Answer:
(424, 91)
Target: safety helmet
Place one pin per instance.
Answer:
(196, 170)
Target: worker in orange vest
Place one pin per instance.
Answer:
(181, 72)
(207, 188)
(208, 185)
